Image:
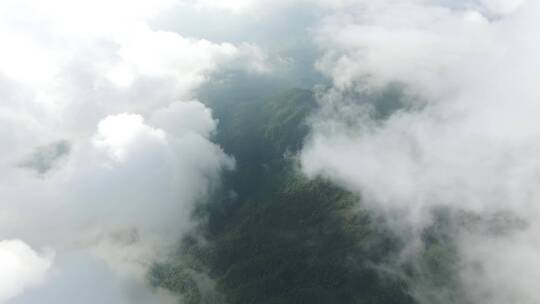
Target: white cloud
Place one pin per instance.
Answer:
(117, 133)
(79, 278)
(470, 144)
(22, 268)
(265, 6)
(100, 154)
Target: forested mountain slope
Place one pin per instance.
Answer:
(272, 236)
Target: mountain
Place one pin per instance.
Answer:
(272, 236)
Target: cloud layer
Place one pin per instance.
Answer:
(21, 268)
(465, 138)
(105, 149)
(105, 152)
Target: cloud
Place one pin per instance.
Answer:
(22, 268)
(124, 195)
(80, 278)
(265, 6)
(105, 148)
(465, 137)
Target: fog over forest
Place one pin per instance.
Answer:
(270, 152)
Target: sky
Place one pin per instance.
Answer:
(106, 147)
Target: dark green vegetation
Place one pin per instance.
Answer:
(272, 236)
(435, 270)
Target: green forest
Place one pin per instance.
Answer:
(272, 236)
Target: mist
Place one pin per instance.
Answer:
(464, 137)
(105, 149)
(110, 137)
